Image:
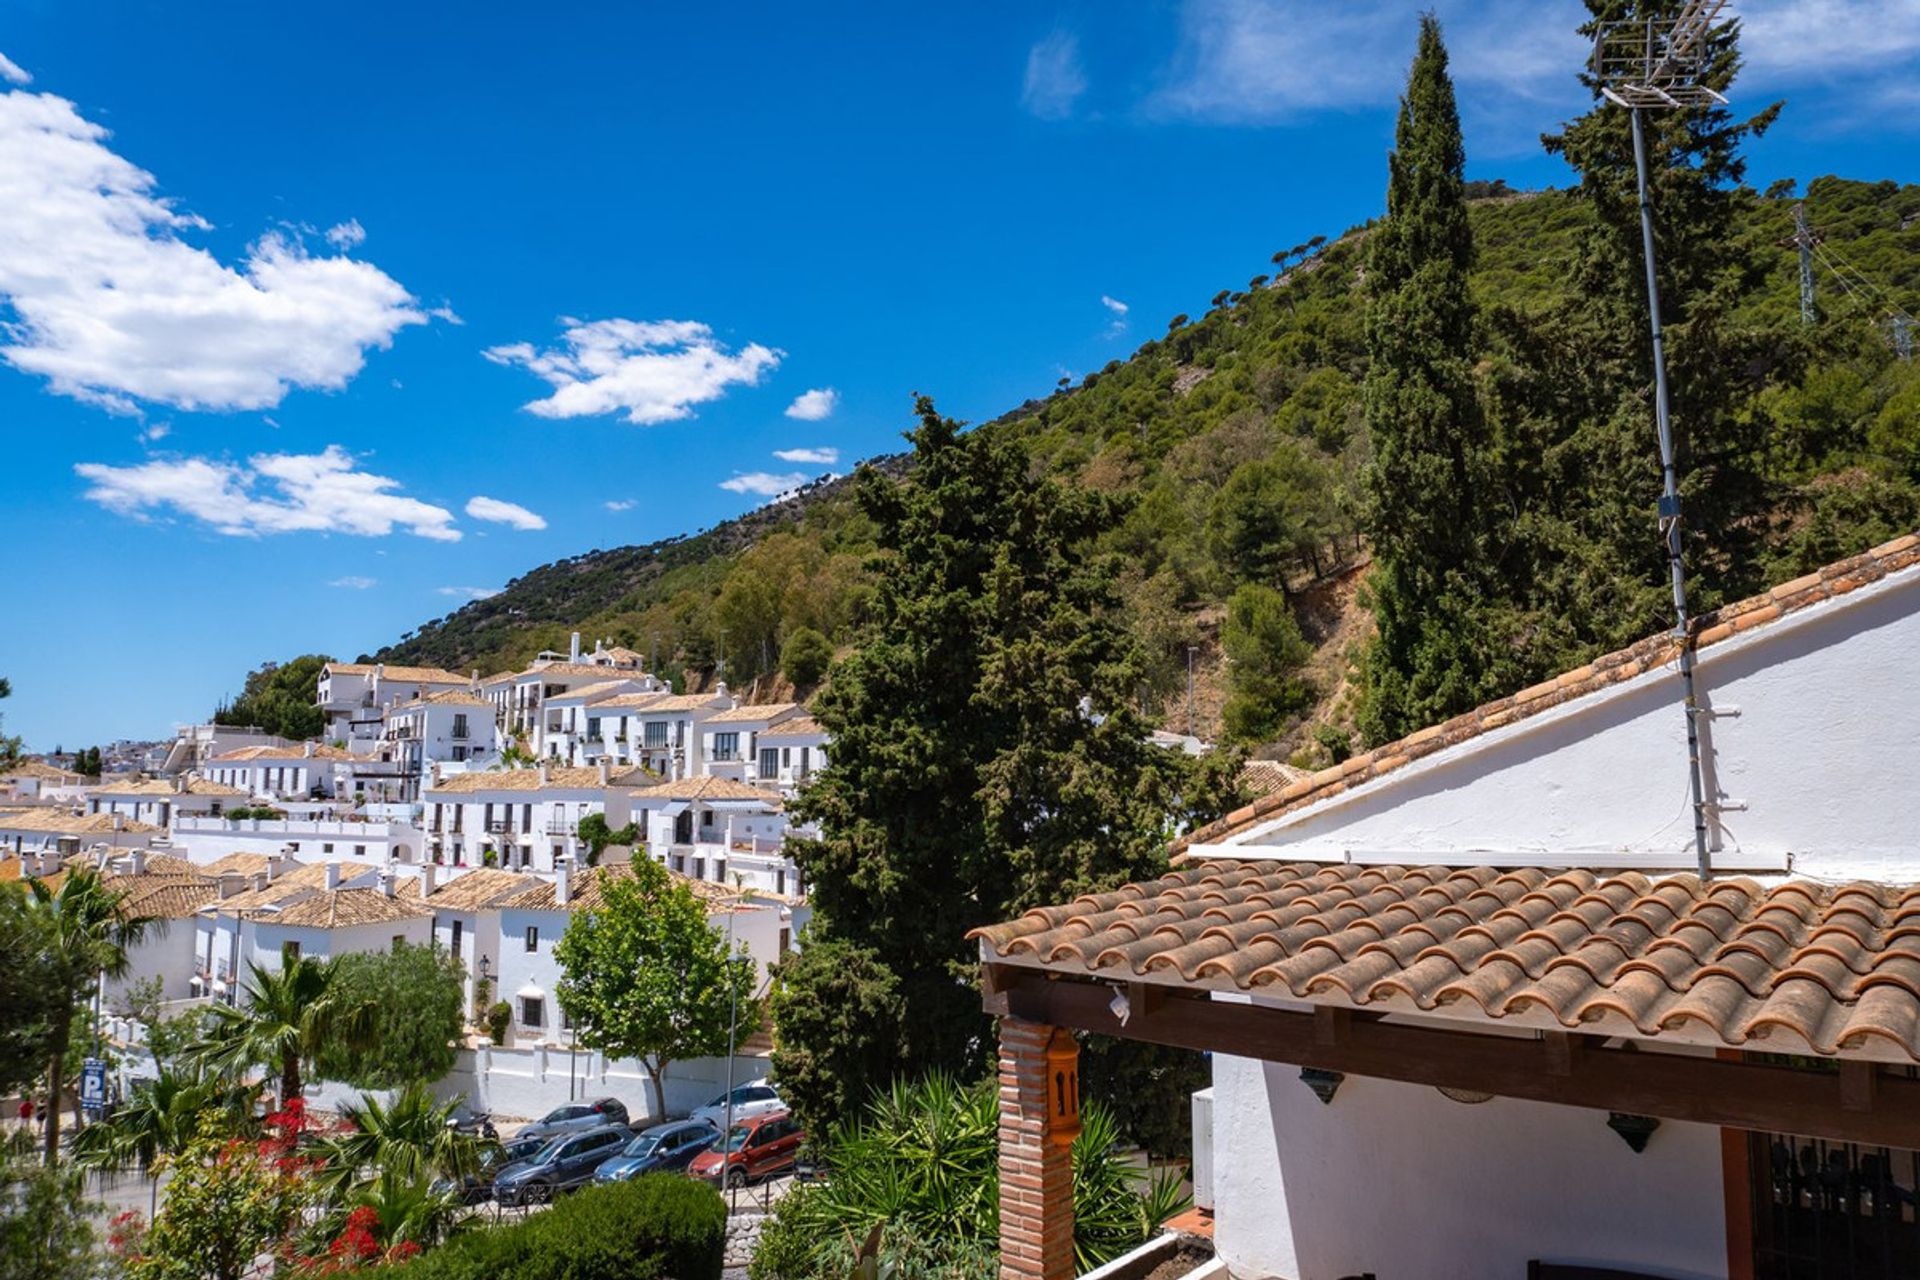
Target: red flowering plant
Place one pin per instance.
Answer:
(233, 1206)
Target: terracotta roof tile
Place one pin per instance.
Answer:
(162, 788)
(60, 822)
(584, 886)
(559, 777)
(1798, 967)
(708, 787)
(345, 908)
(481, 887)
(1610, 669)
(400, 675)
(750, 713)
(800, 726)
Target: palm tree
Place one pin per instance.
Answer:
(87, 934)
(161, 1119)
(287, 1016)
(412, 1136)
(408, 1209)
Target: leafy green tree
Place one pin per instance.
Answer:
(805, 657)
(596, 834)
(834, 1003)
(647, 976)
(286, 1019)
(30, 1002)
(987, 755)
(229, 1201)
(46, 1228)
(414, 993)
(278, 697)
(10, 747)
(87, 931)
(1266, 652)
(1427, 511)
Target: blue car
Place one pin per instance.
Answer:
(659, 1149)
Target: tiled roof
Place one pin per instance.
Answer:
(1264, 777)
(41, 770)
(632, 701)
(559, 777)
(13, 869)
(161, 788)
(801, 726)
(302, 879)
(60, 822)
(678, 702)
(447, 698)
(236, 864)
(1615, 668)
(400, 675)
(590, 692)
(707, 787)
(584, 886)
(293, 751)
(752, 712)
(479, 888)
(1800, 967)
(165, 864)
(164, 897)
(570, 669)
(344, 908)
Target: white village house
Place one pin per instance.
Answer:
(1472, 1007)
(356, 695)
(299, 771)
(522, 819)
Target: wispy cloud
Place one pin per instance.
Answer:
(322, 492)
(354, 582)
(1786, 40)
(815, 405)
(822, 457)
(1118, 309)
(497, 511)
(155, 432)
(113, 306)
(347, 235)
(765, 483)
(471, 593)
(1054, 79)
(651, 370)
(12, 72)
(619, 504)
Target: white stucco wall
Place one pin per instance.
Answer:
(1396, 1180)
(1814, 764)
(207, 840)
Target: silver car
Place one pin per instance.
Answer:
(749, 1100)
(577, 1117)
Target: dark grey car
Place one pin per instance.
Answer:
(576, 1117)
(566, 1162)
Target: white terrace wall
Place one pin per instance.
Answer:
(1398, 1181)
(205, 840)
(525, 1083)
(1816, 722)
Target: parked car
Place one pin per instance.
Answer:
(565, 1162)
(754, 1149)
(749, 1100)
(477, 1187)
(661, 1148)
(576, 1117)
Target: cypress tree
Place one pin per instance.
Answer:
(1430, 466)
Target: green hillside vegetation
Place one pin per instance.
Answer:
(1239, 442)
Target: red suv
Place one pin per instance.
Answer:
(754, 1148)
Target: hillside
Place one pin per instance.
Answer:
(1270, 372)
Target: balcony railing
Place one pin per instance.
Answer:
(562, 827)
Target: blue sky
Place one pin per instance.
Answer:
(316, 324)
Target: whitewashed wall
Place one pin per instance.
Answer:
(205, 840)
(525, 1083)
(1817, 722)
(1396, 1180)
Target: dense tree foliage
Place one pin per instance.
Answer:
(986, 756)
(46, 1227)
(805, 657)
(287, 1019)
(1266, 650)
(278, 697)
(1428, 488)
(415, 995)
(838, 1015)
(647, 976)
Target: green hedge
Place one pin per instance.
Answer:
(658, 1227)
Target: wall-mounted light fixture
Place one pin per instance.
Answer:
(1633, 1130)
(1323, 1083)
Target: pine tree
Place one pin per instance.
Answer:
(1427, 485)
(986, 757)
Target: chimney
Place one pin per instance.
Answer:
(333, 876)
(606, 770)
(306, 752)
(179, 784)
(137, 862)
(278, 863)
(573, 649)
(544, 775)
(429, 876)
(560, 878)
(261, 879)
(119, 821)
(386, 880)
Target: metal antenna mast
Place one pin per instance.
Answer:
(1803, 240)
(1641, 65)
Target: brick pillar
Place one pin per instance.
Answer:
(1036, 1171)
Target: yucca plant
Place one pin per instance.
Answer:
(412, 1137)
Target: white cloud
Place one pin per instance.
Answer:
(653, 370)
(814, 405)
(1117, 325)
(113, 306)
(1114, 305)
(822, 457)
(765, 483)
(349, 234)
(619, 504)
(499, 512)
(272, 493)
(471, 593)
(12, 72)
(156, 432)
(1791, 39)
(354, 582)
(1055, 79)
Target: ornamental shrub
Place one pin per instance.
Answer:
(662, 1226)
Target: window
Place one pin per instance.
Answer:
(699, 868)
(459, 927)
(533, 937)
(359, 851)
(786, 941)
(780, 883)
(593, 726)
(459, 753)
(558, 850)
(293, 846)
(656, 733)
(289, 952)
(460, 725)
(786, 755)
(769, 761)
(526, 819)
(399, 940)
(531, 1010)
(326, 848)
(720, 870)
(726, 746)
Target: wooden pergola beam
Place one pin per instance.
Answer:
(1859, 1103)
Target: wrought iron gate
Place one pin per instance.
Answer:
(1833, 1211)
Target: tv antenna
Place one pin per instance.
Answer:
(1653, 64)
